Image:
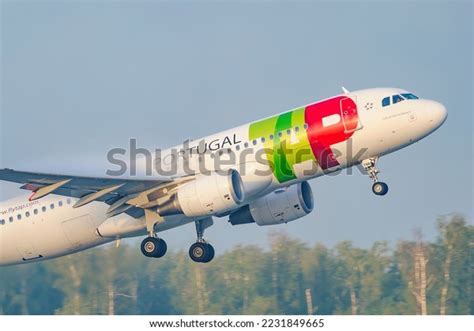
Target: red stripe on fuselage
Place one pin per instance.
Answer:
(321, 138)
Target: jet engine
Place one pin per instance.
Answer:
(208, 194)
(281, 206)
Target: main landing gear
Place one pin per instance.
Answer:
(379, 188)
(153, 247)
(201, 251)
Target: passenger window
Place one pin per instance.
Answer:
(51, 206)
(18, 217)
(43, 209)
(246, 145)
(60, 203)
(27, 214)
(2, 222)
(306, 126)
(288, 131)
(35, 211)
(237, 147)
(386, 102)
(297, 129)
(254, 142)
(271, 137)
(11, 219)
(280, 134)
(397, 98)
(262, 139)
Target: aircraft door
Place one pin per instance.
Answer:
(349, 114)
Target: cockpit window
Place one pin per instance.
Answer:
(397, 98)
(409, 96)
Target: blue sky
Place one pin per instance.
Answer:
(80, 78)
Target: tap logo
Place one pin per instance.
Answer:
(314, 128)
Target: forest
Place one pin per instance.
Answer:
(290, 277)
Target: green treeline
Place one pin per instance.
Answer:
(416, 277)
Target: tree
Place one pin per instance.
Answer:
(234, 278)
(417, 277)
(287, 276)
(319, 268)
(453, 251)
(414, 258)
(351, 266)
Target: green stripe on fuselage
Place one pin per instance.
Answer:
(289, 149)
(282, 169)
(300, 148)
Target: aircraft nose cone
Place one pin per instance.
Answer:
(437, 114)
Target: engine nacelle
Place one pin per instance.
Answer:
(280, 206)
(207, 195)
(256, 177)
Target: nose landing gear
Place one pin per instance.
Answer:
(201, 251)
(379, 188)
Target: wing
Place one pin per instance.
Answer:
(131, 196)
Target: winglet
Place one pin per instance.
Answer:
(345, 90)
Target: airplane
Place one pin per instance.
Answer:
(261, 178)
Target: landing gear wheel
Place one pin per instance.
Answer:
(163, 248)
(201, 252)
(210, 254)
(153, 247)
(197, 252)
(380, 188)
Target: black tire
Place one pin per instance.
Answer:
(198, 252)
(201, 252)
(380, 188)
(162, 248)
(150, 246)
(209, 254)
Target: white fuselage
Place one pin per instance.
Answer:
(50, 227)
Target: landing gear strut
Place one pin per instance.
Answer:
(379, 188)
(152, 246)
(201, 251)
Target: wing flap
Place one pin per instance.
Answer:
(88, 189)
(96, 195)
(42, 191)
(91, 184)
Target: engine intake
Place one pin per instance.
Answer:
(280, 206)
(207, 195)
